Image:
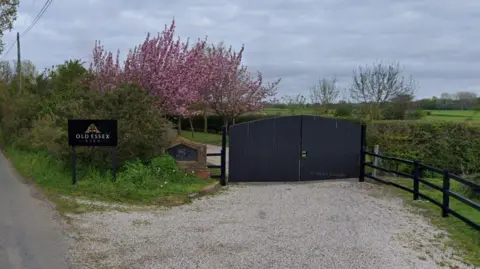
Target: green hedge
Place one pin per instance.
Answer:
(447, 145)
(214, 122)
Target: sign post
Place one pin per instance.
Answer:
(92, 133)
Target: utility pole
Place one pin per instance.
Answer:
(19, 63)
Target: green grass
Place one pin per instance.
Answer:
(449, 115)
(452, 115)
(160, 182)
(464, 239)
(204, 138)
(284, 111)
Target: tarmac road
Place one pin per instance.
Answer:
(30, 235)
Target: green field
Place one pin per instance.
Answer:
(204, 138)
(450, 115)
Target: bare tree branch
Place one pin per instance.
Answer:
(377, 84)
(325, 92)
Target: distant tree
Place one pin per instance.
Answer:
(466, 99)
(446, 96)
(377, 84)
(343, 109)
(446, 101)
(325, 92)
(294, 102)
(397, 107)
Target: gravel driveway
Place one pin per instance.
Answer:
(330, 224)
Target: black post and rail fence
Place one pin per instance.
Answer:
(223, 160)
(445, 189)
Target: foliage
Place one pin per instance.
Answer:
(462, 100)
(214, 122)
(170, 69)
(324, 93)
(343, 110)
(37, 119)
(233, 90)
(416, 114)
(183, 76)
(294, 102)
(136, 182)
(447, 145)
(375, 85)
(8, 15)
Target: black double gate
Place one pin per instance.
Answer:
(294, 148)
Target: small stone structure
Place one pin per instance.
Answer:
(190, 156)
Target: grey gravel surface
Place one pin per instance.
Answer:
(330, 224)
(31, 234)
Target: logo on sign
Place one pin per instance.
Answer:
(93, 135)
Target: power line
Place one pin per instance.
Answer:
(31, 7)
(9, 49)
(37, 18)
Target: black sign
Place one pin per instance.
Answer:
(182, 152)
(88, 133)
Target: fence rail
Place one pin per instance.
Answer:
(416, 176)
(223, 164)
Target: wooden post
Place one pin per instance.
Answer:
(19, 63)
(416, 175)
(446, 194)
(114, 164)
(376, 150)
(363, 145)
(223, 158)
(74, 167)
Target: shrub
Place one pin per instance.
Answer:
(18, 113)
(394, 112)
(473, 193)
(144, 132)
(415, 114)
(447, 145)
(343, 110)
(36, 119)
(214, 122)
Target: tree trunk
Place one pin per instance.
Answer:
(179, 125)
(233, 121)
(205, 121)
(191, 126)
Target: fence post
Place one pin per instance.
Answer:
(114, 164)
(446, 193)
(363, 135)
(74, 166)
(376, 150)
(223, 158)
(416, 176)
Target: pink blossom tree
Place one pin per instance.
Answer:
(183, 76)
(233, 90)
(167, 68)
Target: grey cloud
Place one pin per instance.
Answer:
(298, 40)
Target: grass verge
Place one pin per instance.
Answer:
(159, 182)
(204, 138)
(464, 239)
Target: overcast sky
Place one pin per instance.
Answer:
(437, 41)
